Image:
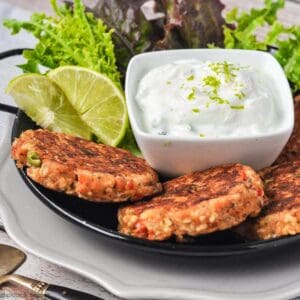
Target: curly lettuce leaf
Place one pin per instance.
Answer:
(288, 53)
(241, 33)
(71, 37)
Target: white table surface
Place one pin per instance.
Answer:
(34, 266)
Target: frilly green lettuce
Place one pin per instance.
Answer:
(71, 37)
(241, 33)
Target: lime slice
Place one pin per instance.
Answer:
(46, 104)
(99, 102)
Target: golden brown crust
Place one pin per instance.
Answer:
(282, 216)
(198, 203)
(82, 168)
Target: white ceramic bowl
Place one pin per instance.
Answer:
(173, 156)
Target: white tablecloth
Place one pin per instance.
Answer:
(8, 67)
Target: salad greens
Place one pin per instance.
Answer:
(76, 37)
(148, 25)
(72, 37)
(241, 33)
(106, 37)
(133, 33)
(177, 24)
(197, 23)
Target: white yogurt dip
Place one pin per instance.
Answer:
(206, 99)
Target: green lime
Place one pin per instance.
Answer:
(46, 104)
(98, 101)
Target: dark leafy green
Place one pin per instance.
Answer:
(197, 22)
(134, 33)
(172, 24)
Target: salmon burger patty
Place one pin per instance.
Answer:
(282, 216)
(82, 168)
(195, 204)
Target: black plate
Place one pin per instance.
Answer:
(102, 218)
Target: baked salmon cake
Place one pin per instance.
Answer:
(291, 151)
(195, 204)
(282, 216)
(82, 168)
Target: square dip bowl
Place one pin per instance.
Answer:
(177, 155)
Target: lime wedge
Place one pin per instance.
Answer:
(98, 101)
(46, 104)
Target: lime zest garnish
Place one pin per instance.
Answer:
(219, 100)
(192, 94)
(215, 84)
(212, 82)
(191, 77)
(201, 135)
(224, 68)
(240, 95)
(237, 106)
(196, 110)
(169, 82)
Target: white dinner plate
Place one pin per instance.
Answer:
(134, 274)
(126, 272)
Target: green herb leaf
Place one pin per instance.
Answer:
(72, 37)
(240, 33)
